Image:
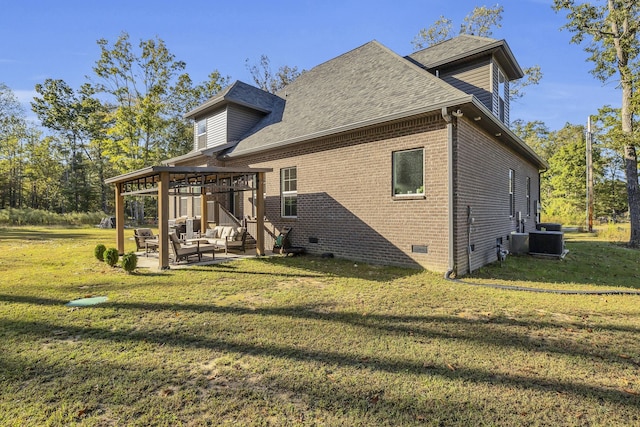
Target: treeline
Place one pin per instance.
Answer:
(127, 115)
(563, 186)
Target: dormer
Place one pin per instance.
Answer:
(479, 66)
(230, 115)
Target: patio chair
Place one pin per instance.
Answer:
(182, 251)
(237, 242)
(145, 239)
(282, 244)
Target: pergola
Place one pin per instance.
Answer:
(162, 181)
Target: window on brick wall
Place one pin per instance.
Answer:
(289, 192)
(512, 193)
(408, 172)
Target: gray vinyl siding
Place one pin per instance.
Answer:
(240, 120)
(474, 79)
(217, 128)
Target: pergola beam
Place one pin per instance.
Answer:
(165, 178)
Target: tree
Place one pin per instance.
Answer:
(147, 94)
(266, 80)
(13, 131)
(567, 175)
(611, 198)
(439, 31)
(480, 22)
(612, 29)
(77, 120)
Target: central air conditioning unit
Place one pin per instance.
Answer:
(546, 243)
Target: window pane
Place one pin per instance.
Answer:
(408, 172)
(202, 127)
(290, 206)
(289, 187)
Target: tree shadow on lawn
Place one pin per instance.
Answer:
(275, 396)
(19, 233)
(388, 364)
(315, 266)
(498, 330)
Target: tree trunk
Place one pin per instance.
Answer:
(631, 172)
(630, 163)
(626, 113)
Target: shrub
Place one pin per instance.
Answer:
(111, 256)
(30, 216)
(99, 251)
(129, 262)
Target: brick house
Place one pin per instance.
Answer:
(380, 158)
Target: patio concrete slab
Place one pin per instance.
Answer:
(150, 260)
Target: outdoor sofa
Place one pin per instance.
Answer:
(227, 237)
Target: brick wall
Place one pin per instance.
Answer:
(484, 186)
(345, 196)
(345, 201)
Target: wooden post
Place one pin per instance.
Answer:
(163, 221)
(119, 219)
(204, 209)
(260, 214)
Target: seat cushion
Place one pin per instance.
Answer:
(144, 232)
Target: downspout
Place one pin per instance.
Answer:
(447, 118)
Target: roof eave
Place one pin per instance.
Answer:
(499, 48)
(352, 126)
(206, 152)
(477, 110)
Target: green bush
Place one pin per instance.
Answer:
(30, 216)
(99, 251)
(129, 262)
(111, 256)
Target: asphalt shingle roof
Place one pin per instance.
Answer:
(462, 48)
(242, 94)
(367, 84)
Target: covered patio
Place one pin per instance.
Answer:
(163, 181)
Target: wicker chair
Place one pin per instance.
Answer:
(145, 239)
(182, 251)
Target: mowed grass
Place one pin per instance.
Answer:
(310, 341)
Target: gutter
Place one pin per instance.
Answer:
(447, 118)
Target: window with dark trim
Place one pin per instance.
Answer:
(512, 193)
(289, 192)
(408, 172)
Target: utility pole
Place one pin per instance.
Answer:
(589, 175)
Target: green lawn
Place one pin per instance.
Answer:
(310, 341)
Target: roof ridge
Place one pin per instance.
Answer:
(412, 64)
(489, 40)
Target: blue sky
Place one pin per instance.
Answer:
(47, 39)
